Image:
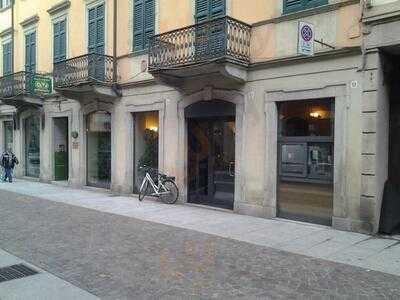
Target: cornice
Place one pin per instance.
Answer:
(29, 21)
(59, 7)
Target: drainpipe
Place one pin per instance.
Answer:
(115, 77)
(12, 36)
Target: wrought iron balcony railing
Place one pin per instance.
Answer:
(220, 39)
(88, 68)
(16, 84)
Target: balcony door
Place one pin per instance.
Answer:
(96, 46)
(209, 37)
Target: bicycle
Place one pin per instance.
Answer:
(165, 188)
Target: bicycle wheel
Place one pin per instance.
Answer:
(173, 194)
(143, 191)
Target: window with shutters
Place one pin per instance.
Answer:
(209, 9)
(7, 60)
(30, 52)
(143, 23)
(59, 41)
(96, 30)
(290, 6)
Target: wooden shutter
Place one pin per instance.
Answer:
(30, 52)
(202, 11)
(217, 9)
(143, 23)
(298, 5)
(100, 29)
(7, 52)
(59, 41)
(92, 30)
(138, 25)
(96, 29)
(149, 20)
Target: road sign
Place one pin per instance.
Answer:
(306, 37)
(42, 84)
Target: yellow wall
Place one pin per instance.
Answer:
(276, 39)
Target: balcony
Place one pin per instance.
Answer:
(218, 47)
(19, 89)
(86, 77)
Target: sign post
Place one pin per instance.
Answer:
(306, 38)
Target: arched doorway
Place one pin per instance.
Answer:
(211, 153)
(98, 126)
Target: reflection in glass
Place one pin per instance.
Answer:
(32, 146)
(306, 160)
(9, 135)
(306, 118)
(146, 126)
(99, 149)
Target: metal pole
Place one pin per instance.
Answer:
(115, 42)
(12, 36)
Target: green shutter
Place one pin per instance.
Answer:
(96, 29)
(209, 9)
(143, 23)
(7, 52)
(59, 41)
(298, 5)
(30, 52)
(217, 9)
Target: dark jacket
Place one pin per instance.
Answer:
(9, 160)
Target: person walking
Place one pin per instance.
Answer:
(8, 161)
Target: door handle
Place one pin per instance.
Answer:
(232, 167)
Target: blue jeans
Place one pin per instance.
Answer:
(8, 174)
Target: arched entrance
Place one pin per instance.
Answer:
(211, 153)
(98, 160)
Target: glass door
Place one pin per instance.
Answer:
(32, 146)
(211, 161)
(99, 150)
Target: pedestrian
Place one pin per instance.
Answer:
(8, 161)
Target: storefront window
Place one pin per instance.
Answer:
(306, 118)
(8, 135)
(306, 160)
(99, 149)
(32, 146)
(146, 126)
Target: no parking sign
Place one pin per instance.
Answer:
(306, 39)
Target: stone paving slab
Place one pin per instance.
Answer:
(317, 241)
(118, 257)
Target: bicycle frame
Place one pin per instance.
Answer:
(156, 188)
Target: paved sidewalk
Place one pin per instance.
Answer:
(368, 252)
(40, 286)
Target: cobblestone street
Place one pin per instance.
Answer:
(118, 257)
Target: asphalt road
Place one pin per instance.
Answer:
(116, 257)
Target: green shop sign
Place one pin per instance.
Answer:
(41, 85)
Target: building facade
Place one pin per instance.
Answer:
(212, 92)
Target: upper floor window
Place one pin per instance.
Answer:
(59, 41)
(143, 23)
(96, 30)
(298, 5)
(5, 3)
(209, 9)
(30, 52)
(7, 59)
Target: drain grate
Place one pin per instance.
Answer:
(15, 272)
